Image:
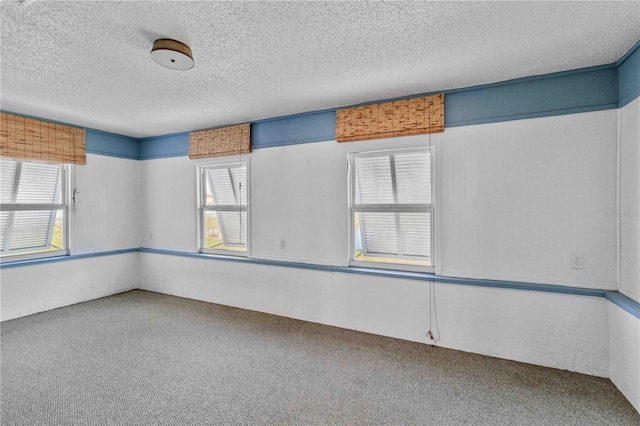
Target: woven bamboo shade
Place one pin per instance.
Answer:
(232, 140)
(408, 117)
(31, 139)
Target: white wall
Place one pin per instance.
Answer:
(299, 193)
(30, 289)
(168, 216)
(107, 219)
(541, 328)
(108, 205)
(629, 210)
(624, 337)
(520, 197)
(517, 199)
(624, 328)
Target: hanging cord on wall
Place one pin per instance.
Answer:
(432, 305)
(433, 313)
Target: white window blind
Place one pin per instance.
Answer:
(392, 206)
(31, 218)
(224, 211)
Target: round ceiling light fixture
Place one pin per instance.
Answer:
(172, 54)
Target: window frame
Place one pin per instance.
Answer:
(390, 208)
(203, 208)
(66, 171)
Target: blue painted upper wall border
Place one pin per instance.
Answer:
(166, 146)
(629, 75)
(589, 89)
(111, 144)
(295, 129)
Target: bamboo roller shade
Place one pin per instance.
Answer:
(232, 140)
(407, 117)
(31, 139)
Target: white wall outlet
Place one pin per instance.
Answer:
(283, 243)
(577, 261)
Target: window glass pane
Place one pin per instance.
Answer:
(4, 218)
(38, 183)
(386, 229)
(413, 177)
(25, 230)
(208, 196)
(373, 180)
(7, 177)
(57, 239)
(225, 208)
(222, 189)
(415, 234)
(390, 257)
(32, 229)
(379, 233)
(228, 186)
(239, 178)
(234, 227)
(225, 230)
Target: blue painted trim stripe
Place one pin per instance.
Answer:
(44, 260)
(533, 115)
(111, 144)
(392, 274)
(292, 130)
(526, 98)
(629, 76)
(615, 297)
(624, 302)
(165, 146)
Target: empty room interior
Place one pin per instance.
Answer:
(319, 213)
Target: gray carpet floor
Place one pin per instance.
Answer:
(141, 358)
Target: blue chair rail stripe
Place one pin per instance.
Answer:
(614, 297)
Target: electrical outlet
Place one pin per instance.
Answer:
(577, 261)
(283, 243)
(150, 236)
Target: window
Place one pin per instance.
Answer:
(223, 212)
(33, 210)
(391, 209)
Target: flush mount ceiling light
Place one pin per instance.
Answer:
(172, 54)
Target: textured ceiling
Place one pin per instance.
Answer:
(87, 62)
